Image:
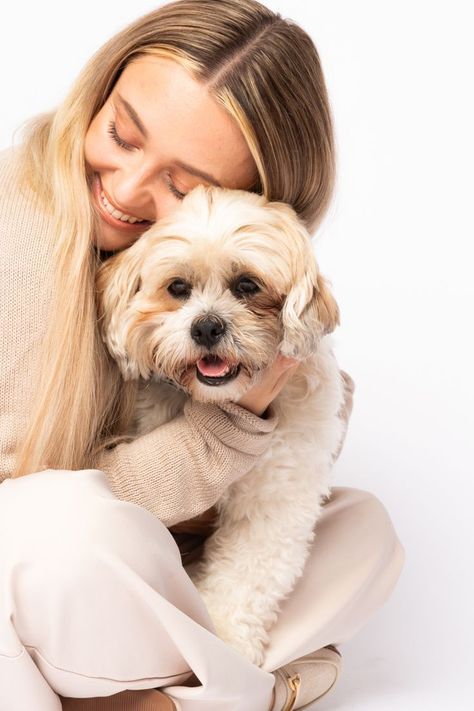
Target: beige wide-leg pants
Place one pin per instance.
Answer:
(94, 598)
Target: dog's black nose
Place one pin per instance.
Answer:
(208, 331)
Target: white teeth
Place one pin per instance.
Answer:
(116, 213)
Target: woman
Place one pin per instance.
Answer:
(98, 601)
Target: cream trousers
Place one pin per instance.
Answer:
(94, 598)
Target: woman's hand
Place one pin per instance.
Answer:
(258, 398)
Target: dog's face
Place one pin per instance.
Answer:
(208, 296)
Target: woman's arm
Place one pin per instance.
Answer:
(180, 469)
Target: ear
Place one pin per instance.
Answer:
(309, 313)
(117, 282)
(326, 306)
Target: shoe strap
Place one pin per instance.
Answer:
(293, 683)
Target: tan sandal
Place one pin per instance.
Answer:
(305, 680)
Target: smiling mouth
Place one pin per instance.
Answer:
(212, 370)
(107, 214)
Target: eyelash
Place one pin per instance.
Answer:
(116, 138)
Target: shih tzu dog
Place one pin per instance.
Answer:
(197, 308)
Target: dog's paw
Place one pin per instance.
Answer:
(235, 629)
(249, 647)
(240, 636)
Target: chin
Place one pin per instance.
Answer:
(214, 378)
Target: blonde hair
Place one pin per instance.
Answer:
(266, 72)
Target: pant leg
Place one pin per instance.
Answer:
(355, 561)
(94, 600)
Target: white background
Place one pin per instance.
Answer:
(398, 249)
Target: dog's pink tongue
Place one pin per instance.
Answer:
(213, 366)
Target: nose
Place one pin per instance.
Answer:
(208, 331)
(139, 194)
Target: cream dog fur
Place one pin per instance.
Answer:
(198, 307)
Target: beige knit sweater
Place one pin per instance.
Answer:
(179, 470)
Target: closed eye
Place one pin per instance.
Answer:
(127, 147)
(116, 138)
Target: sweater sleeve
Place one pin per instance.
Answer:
(180, 469)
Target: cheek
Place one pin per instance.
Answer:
(260, 333)
(96, 150)
(266, 309)
(152, 305)
(159, 298)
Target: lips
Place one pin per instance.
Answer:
(212, 370)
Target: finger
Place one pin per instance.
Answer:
(285, 362)
(277, 370)
(283, 378)
(277, 380)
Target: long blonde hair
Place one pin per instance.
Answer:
(266, 72)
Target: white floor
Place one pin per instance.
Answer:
(387, 667)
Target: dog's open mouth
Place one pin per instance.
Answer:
(212, 370)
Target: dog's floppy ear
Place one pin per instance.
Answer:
(117, 282)
(309, 312)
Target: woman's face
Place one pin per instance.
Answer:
(174, 136)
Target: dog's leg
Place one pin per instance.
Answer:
(267, 524)
(251, 567)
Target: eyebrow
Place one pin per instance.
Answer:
(185, 166)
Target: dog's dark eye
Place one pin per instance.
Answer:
(180, 289)
(245, 287)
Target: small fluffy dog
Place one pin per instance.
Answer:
(198, 307)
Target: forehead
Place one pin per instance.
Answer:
(219, 244)
(184, 121)
(210, 265)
